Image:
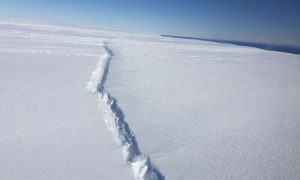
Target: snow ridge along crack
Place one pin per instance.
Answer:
(114, 119)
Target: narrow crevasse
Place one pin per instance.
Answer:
(114, 118)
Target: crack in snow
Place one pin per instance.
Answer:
(140, 163)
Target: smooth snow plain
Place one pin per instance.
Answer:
(200, 110)
(50, 126)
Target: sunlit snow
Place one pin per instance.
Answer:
(159, 108)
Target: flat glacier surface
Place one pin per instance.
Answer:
(204, 110)
(50, 127)
(200, 110)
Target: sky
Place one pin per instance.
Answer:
(264, 21)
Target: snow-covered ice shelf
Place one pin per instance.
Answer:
(50, 126)
(200, 110)
(205, 110)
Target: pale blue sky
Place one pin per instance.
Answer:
(267, 21)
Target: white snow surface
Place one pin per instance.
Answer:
(114, 118)
(50, 126)
(198, 110)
